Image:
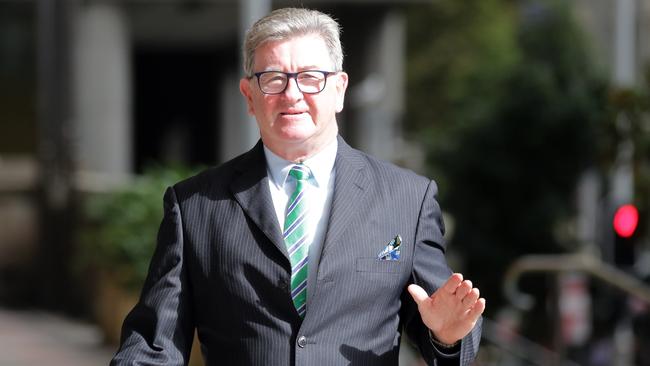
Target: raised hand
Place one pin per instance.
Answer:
(452, 311)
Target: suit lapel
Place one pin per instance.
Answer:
(251, 190)
(350, 185)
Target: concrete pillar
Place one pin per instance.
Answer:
(239, 131)
(625, 43)
(102, 102)
(643, 43)
(378, 99)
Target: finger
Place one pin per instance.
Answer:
(418, 294)
(469, 300)
(477, 309)
(452, 283)
(463, 289)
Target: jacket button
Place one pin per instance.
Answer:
(302, 341)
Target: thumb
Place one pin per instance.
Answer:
(418, 294)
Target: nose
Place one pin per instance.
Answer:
(292, 91)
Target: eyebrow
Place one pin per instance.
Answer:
(302, 68)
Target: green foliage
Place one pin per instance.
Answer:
(119, 236)
(510, 111)
(459, 53)
(631, 107)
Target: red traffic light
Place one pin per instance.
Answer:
(626, 220)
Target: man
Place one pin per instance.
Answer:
(300, 251)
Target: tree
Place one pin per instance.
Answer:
(508, 108)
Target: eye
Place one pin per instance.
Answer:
(310, 76)
(273, 78)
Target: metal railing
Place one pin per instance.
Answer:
(513, 348)
(569, 263)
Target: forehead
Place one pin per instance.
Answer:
(292, 54)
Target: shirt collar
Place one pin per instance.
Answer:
(320, 164)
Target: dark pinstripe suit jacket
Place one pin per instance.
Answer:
(221, 267)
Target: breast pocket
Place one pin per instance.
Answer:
(378, 266)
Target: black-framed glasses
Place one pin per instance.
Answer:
(308, 81)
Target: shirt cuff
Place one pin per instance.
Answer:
(445, 350)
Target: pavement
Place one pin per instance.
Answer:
(29, 338)
(34, 338)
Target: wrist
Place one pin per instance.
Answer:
(440, 343)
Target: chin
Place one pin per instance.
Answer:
(297, 134)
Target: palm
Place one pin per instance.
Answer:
(452, 311)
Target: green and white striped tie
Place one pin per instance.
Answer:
(296, 238)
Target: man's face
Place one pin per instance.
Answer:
(292, 120)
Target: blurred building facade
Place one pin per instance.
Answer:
(96, 91)
(92, 92)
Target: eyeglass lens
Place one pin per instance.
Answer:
(275, 82)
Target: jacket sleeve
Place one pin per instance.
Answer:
(430, 271)
(159, 330)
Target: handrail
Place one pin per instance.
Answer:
(520, 346)
(569, 263)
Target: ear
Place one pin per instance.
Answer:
(341, 87)
(245, 89)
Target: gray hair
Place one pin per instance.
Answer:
(282, 24)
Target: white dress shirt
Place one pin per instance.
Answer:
(318, 193)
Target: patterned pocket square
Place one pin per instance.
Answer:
(392, 250)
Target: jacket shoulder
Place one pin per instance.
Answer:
(217, 179)
(383, 169)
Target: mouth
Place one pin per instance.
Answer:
(291, 113)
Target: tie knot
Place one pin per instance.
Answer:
(300, 172)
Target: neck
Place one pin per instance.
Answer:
(302, 150)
